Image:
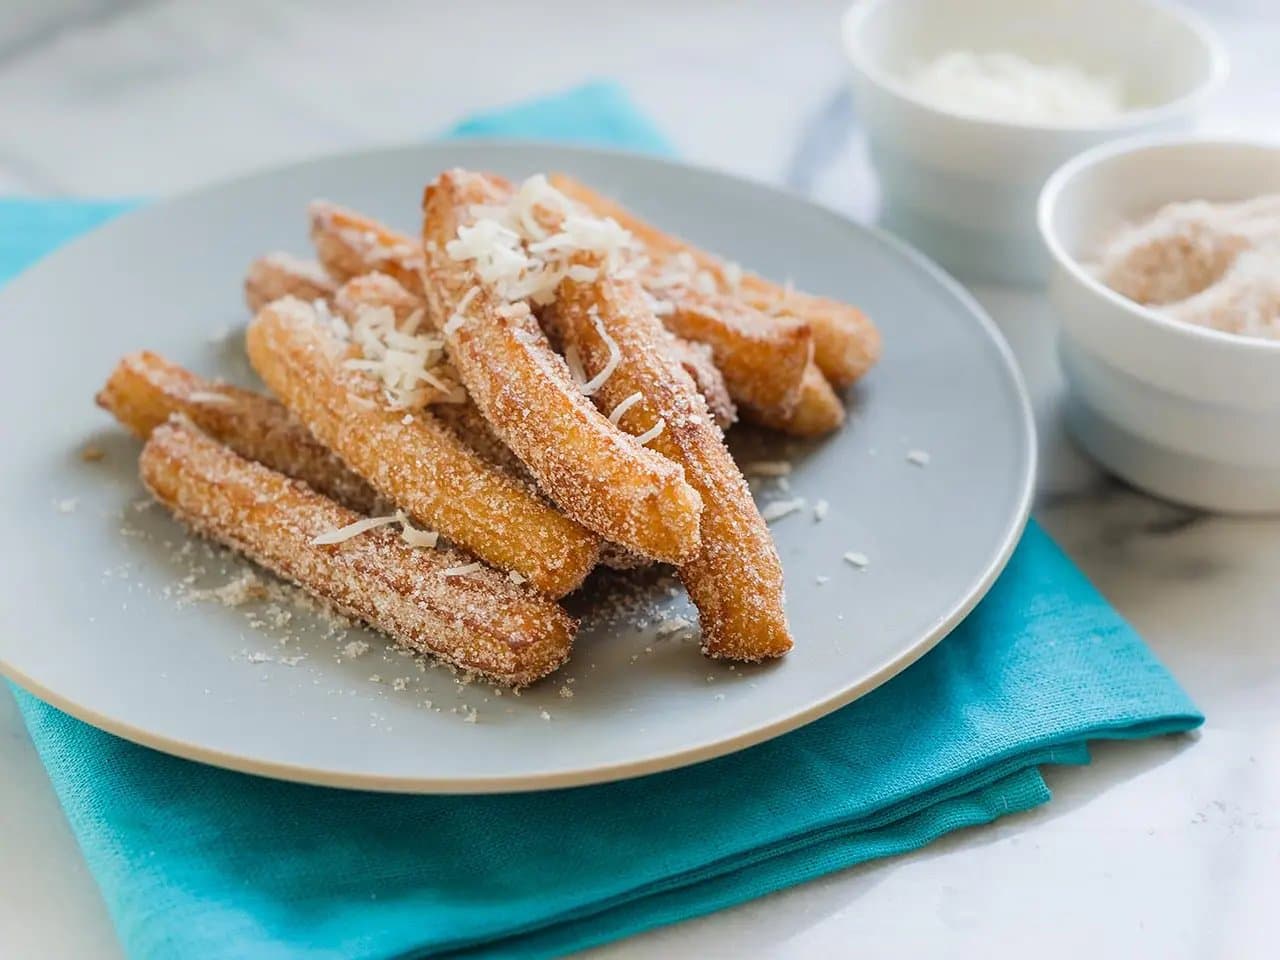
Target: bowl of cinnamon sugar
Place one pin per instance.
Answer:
(1166, 285)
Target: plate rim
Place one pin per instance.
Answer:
(635, 766)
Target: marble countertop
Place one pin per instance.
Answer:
(1167, 848)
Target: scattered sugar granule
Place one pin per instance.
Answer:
(918, 457)
(544, 715)
(400, 683)
(859, 560)
(356, 648)
(719, 696)
(292, 661)
(469, 715)
(820, 510)
(375, 678)
(711, 678)
(68, 505)
(768, 468)
(566, 693)
(820, 580)
(235, 592)
(781, 508)
(92, 454)
(258, 657)
(407, 419)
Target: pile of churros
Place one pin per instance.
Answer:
(461, 427)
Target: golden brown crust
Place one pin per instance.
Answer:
(145, 390)
(276, 275)
(478, 621)
(762, 358)
(817, 412)
(736, 579)
(350, 244)
(597, 474)
(846, 343)
(413, 459)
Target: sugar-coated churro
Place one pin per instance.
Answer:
(697, 361)
(479, 620)
(596, 473)
(276, 275)
(846, 343)
(145, 389)
(817, 412)
(736, 579)
(410, 457)
(762, 358)
(350, 244)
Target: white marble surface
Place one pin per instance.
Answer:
(1163, 849)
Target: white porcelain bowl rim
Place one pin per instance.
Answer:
(1046, 209)
(1129, 120)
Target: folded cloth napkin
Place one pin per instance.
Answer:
(196, 861)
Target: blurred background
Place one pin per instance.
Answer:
(134, 97)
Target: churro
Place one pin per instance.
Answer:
(762, 358)
(600, 476)
(736, 579)
(145, 390)
(477, 620)
(698, 362)
(817, 410)
(846, 343)
(350, 244)
(410, 457)
(276, 275)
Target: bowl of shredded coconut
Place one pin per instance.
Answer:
(1166, 284)
(968, 107)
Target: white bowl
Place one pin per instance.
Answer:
(1185, 412)
(963, 188)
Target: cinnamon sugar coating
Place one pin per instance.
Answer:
(478, 622)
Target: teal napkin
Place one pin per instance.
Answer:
(195, 861)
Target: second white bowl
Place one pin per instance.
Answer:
(964, 189)
(1188, 413)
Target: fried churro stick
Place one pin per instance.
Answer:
(276, 275)
(763, 358)
(413, 459)
(350, 244)
(846, 343)
(736, 579)
(698, 363)
(431, 601)
(597, 474)
(145, 390)
(817, 412)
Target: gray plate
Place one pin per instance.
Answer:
(90, 618)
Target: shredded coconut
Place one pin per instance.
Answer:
(653, 432)
(626, 404)
(354, 529)
(463, 571)
(781, 508)
(820, 510)
(401, 361)
(615, 357)
(856, 559)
